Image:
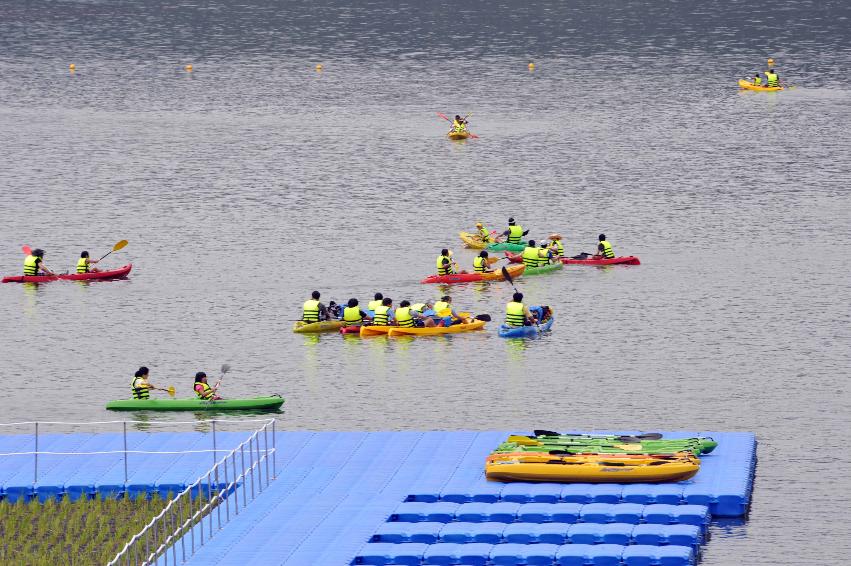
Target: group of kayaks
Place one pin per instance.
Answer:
(366, 330)
(552, 457)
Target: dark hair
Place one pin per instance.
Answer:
(517, 297)
(511, 220)
(531, 243)
(353, 302)
(84, 254)
(378, 296)
(38, 252)
(199, 376)
(601, 237)
(142, 371)
(444, 251)
(405, 304)
(387, 301)
(446, 299)
(315, 294)
(483, 253)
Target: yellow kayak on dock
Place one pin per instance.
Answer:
(435, 330)
(747, 85)
(591, 468)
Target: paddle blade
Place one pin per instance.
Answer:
(119, 245)
(171, 390)
(484, 317)
(225, 368)
(442, 115)
(507, 275)
(541, 432)
(27, 250)
(474, 136)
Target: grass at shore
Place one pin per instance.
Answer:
(78, 533)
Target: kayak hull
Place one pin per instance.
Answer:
(624, 260)
(350, 330)
(301, 327)
(513, 271)
(373, 330)
(525, 331)
(544, 269)
(747, 85)
(506, 247)
(473, 240)
(194, 404)
(437, 330)
(604, 468)
(119, 273)
(458, 135)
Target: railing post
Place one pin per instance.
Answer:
(259, 471)
(35, 457)
(266, 450)
(251, 462)
(274, 450)
(235, 483)
(244, 477)
(214, 442)
(125, 455)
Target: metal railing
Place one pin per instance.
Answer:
(180, 528)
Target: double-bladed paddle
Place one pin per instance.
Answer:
(115, 248)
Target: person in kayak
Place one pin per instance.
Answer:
(532, 255)
(757, 80)
(423, 312)
(352, 315)
(84, 263)
(517, 314)
(515, 232)
(604, 248)
(556, 246)
(335, 311)
(140, 386)
(313, 310)
(407, 317)
(34, 264)
(483, 233)
(445, 303)
(459, 124)
(203, 389)
(383, 313)
(772, 79)
(445, 265)
(546, 254)
(375, 302)
(481, 264)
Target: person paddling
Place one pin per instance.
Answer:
(445, 265)
(375, 302)
(459, 124)
(444, 304)
(515, 232)
(140, 386)
(757, 80)
(383, 313)
(604, 248)
(203, 389)
(772, 79)
(34, 264)
(480, 263)
(352, 315)
(84, 263)
(313, 310)
(532, 255)
(517, 314)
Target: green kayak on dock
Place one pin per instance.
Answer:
(194, 404)
(613, 444)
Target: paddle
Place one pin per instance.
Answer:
(445, 117)
(27, 250)
(115, 248)
(472, 135)
(225, 369)
(484, 317)
(170, 390)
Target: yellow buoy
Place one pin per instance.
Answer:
(319, 67)
(188, 68)
(531, 66)
(72, 66)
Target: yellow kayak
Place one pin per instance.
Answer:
(374, 330)
(435, 330)
(302, 327)
(747, 85)
(474, 240)
(591, 468)
(453, 135)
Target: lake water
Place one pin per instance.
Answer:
(255, 179)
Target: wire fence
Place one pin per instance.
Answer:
(193, 516)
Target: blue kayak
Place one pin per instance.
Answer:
(525, 331)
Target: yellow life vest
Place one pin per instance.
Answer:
(480, 264)
(514, 315)
(140, 390)
(441, 306)
(207, 393)
(382, 316)
(351, 316)
(531, 257)
(444, 269)
(558, 247)
(485, 235)
(83, 265)
(31, 265)
(772, 79)
(311, 311)
(373, 305)
(515, 234)
(608, 252)
(419, 307)
(404, 318)
(757, 81)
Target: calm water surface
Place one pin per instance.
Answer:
(254, 180)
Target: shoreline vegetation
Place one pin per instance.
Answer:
(73, 533)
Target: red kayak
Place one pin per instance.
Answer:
(624, 260)
(119, 273)
(513, 271)
(350, 330)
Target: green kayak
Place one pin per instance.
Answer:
(506, 247)
(634, 448)
(614, 444)
(195, 404)
(542, 269)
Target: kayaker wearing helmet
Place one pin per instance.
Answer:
(34, 263)
(484, 234)
(515, 232)
(459, 124)
(532, 255)
(375, 302)
(383, 313)
(757, 80)
(352, 315)
(84, 263)
(445, 265)
(140, 386)
(517, 314)
(604, 248)
(313, 310)
(772, 79)
(480, 263)
(203, 390)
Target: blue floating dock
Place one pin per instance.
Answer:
(419, 498)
